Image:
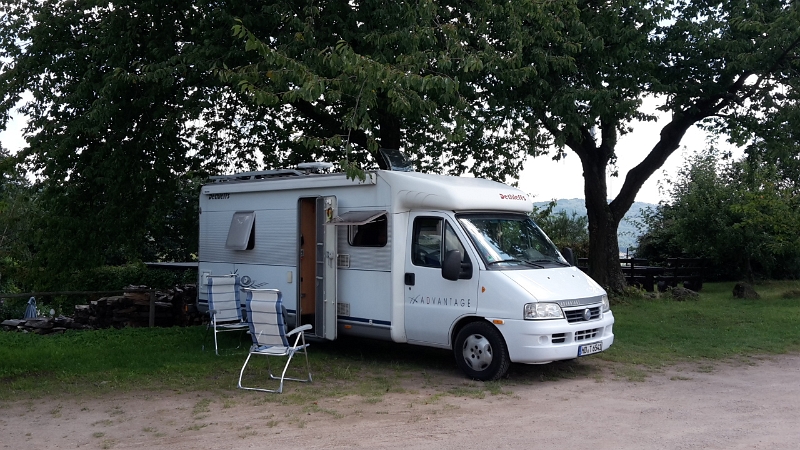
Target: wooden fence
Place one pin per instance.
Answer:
(675, 271)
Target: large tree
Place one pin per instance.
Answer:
(130, 96)
(569, 76)
(133, 100)
(730, 66)
(416, 75)
(127, 111)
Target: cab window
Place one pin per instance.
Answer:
(432, 239)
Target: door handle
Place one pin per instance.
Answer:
(410, 279)
(330, 257)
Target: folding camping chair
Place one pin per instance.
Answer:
(268, 330)
(224, 307)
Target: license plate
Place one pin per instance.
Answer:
(588, 349)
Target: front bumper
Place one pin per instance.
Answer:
(542, 341)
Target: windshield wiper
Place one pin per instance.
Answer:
(518, 261)
(500, 261)
(533, 263)
(555, 261)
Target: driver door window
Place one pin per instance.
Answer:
(428, 242)
(426, 245)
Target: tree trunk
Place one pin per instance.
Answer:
(604, 265)
(604, 217)
(390, 130)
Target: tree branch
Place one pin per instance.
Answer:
(671, 136)
(330, 123)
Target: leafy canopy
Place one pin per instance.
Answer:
(133, 101)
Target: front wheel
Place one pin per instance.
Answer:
(481, 352)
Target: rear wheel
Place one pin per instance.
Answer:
(481, 352)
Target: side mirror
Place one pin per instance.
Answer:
(451, 268)
(567, 253)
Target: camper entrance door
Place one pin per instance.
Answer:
(317, 265)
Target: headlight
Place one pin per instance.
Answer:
(606, 304)
(539, 311)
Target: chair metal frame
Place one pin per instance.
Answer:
(224, 308)
(268, 332)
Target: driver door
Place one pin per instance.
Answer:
(433, 303)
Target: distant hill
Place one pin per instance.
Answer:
(627, 233)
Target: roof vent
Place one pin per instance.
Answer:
(396, 160)
(315, 167)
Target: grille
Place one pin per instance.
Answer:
(342, 309)
(576, 315)
(558, 338)
(586, 334)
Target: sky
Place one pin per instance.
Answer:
(545, 179)
(11, 137)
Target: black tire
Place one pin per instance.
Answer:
(481, 351)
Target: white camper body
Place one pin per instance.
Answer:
(371, 259)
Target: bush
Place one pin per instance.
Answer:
(740, 216)
(12, 308)
(116, 277)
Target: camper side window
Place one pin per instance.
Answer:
(372, 234)
(242, 232)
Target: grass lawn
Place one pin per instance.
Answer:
(650, 333)
(653, 332)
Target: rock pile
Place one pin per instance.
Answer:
(173, 307)
(746, 291)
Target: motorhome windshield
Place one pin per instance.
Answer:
(511, 240)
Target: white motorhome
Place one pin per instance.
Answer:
(441, 261)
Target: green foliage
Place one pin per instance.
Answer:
(727, 66)
(356, 77)
(629, 229)
(132, 100)
(12, 308)
(564, 230)
(742, 216)
(18, 208)
(126, 115)
(111, 278)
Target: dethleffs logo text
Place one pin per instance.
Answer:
(219, 196)
(513, 197)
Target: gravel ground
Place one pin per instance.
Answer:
(744, 404)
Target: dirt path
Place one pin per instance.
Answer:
(730, 406)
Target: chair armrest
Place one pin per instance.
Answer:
(299, 329)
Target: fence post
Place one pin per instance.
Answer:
(152, 321)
